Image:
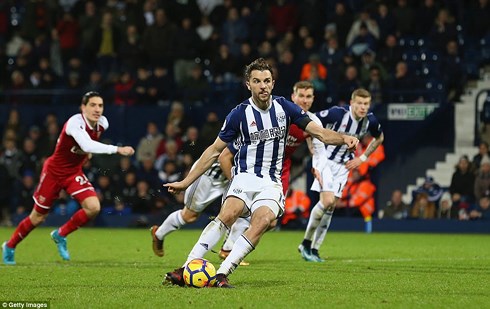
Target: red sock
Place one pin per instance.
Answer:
(21, 232)
(79, 219)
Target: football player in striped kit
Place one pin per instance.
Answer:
(260, 125)
(332, 164)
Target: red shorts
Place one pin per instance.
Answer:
(49, 187)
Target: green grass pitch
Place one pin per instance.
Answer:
(116, 268)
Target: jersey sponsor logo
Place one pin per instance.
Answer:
(266, 134)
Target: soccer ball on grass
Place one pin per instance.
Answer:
(199, 273)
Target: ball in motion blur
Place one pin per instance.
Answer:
(199, 273)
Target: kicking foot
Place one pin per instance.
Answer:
(175, 277)
(157, 243)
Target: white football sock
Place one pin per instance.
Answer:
(173, 222)
(240, 250)
(321, 230)
(237, 229)
(315, 218)
(210, 236)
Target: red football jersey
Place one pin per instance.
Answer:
(68, 156)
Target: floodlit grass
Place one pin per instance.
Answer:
(116, 268)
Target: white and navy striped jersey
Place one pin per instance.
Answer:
(261, 135)
(340, 119)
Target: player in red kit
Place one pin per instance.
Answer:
(63, 171)
(303, 96)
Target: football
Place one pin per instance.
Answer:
(199, 273)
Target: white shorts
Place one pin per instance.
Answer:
(256, 192)
(203, 192)
(334, 176)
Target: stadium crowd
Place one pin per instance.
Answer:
(148, 52)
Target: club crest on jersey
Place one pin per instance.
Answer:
(281, 117)
(77, 150)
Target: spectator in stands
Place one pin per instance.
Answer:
(385, 20)
(234, 31)
(105, 191)
(159, 39)
(289, 69)
(296, 210)
(123, 90)
(358, 194)
(313, 62)
(443, 30)
(404, 84)
(390, 53)
(405, 18)
(145, 198)
(452, 71)
(225, 66)
(446, 211)
(127, 186)
(482, 210)
(331, 55)
(349, 83)
(161, 86)
(431, 189)
(426, 15)
(65, 205)
(364, 27)
(210, 128)
(30, 157)
(283, 16)
(463, 184)
(193, 146)
(106, 41)
(178, 118)
(482, 180)
(376, 86)
(89, 21)
(483, 150)
(172, 152)
(395, 208)
(142, 85)
(195, 88)
(146, 172)
(49, 139)
(187, 48)
(11, 158)
(24, 195)
(147, 146)
(485, 120)
(365, 40)
(368, 61)
(5, 193)
(479, 23)
(69, 34)
(342, 19)
(423, 208)
(131, 55)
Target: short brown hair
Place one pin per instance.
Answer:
(86, 97)
(304, 84)
(360, 92)
(259, 64)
